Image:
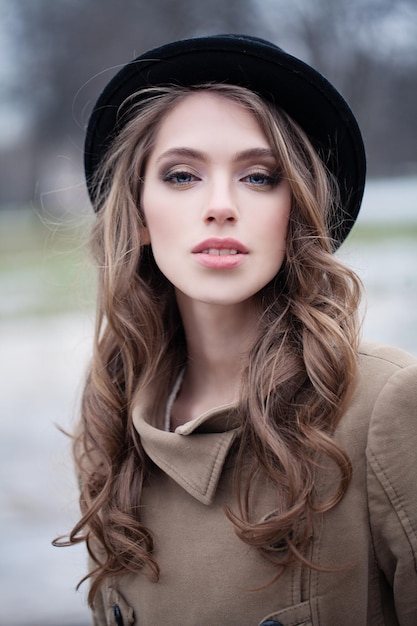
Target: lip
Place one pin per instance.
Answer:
(217, 243)
(220, 261)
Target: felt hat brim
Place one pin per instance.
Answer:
(265, 69)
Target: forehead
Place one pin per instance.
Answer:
(204, 116)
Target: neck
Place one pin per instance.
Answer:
(218, 338)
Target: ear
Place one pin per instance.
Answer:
(145, 237)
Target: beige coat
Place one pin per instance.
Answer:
(208, 576)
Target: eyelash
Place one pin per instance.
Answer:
(170, 177)
(269, 179)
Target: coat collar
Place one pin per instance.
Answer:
(194, 455)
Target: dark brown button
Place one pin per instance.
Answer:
(118, 615)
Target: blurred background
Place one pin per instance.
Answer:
(55, 57)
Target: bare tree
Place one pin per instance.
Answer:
(67, 43)
(368, 49)
(67, 50)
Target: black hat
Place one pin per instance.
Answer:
(262, 67)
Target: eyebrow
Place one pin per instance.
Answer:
(245, 155)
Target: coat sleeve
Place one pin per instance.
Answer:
(392, 490)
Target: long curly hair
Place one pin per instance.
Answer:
(300, 370)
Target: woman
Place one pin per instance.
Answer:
(241, 459)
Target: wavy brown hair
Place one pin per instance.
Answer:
(300, 371)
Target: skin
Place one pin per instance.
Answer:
(211, 184)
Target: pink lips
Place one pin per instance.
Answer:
(220, 253)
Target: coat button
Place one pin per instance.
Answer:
(118, 615)
(271, 622)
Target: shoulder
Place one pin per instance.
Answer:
(388, 379)
(385, 374)
(384, 400)
(378, 357)
(391, 375)
(386, 387)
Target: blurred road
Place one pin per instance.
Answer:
(42, 361)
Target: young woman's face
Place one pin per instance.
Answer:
(215, 205)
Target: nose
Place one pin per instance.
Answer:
(221, 205)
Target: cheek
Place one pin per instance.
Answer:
(274, 238)
(156, 213)
(159, 231)
(275, 229)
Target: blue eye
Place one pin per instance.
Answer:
(179, 178)
(261, 179)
